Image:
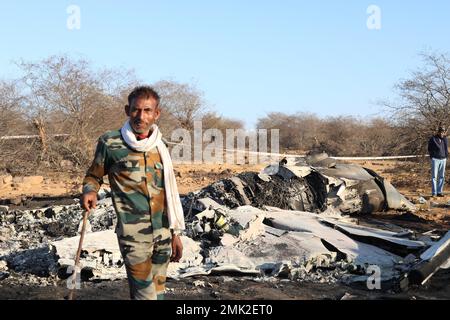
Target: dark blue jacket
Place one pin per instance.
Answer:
(438, 147)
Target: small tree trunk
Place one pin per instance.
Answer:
(39, 125)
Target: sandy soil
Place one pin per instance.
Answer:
(58, 184)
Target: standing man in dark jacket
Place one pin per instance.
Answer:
(438, 150)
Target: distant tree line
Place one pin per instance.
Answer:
(337, 136)
(66, 95)
(421, 105)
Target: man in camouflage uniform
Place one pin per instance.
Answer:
(138, 193)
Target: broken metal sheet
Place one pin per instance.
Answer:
(227, 268)
(204, 271)
(228, 240)
(264, 177)
(95, 241)
(373, 199)
(220, 259)
(253, 229)
(275, 231)
(271, 169)
(289, 171)
(333, 182)
(326, 163)
(341, 192)
(206, 203)
(273, 245)
(333, 213)
(248, 189)
(187, 272)
(103, 254)
(344, 199)
(305, 240)
(359, 252)
(214, 220)
(225, 258)
(347, 171)
(355, 188)
(396, 200)
(297, 256)
(435, 249)
(190, 261)
(349, 182)
(292, 246)
(349, 187)
(313, 158)
(239, 187)
(433, 259)
(312, 243)
(244, 214)
(309, 242)
(206, 214)
(320, 160)
(446, 265)
(387, 240)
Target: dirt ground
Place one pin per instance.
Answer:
(409, 177)
(231, 288)
(59, 184)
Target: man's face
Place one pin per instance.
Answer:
(441, 134)
(143, 113)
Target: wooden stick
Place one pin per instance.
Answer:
(80, 246)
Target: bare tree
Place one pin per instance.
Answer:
(15, 156)
(338, 136)
(378, 138)
(66, 95)
(424, 101)
(216, 121)
(297, 131)
(182, 101)
(12, 119)
(341, 135)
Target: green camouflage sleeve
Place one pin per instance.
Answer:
(94, 176)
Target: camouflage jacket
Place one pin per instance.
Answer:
(137, 186)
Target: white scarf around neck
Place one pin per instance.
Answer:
(174, 207)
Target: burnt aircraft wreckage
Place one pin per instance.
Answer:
(297, 219)
(311, 184)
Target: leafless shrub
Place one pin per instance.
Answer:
(423, 104)
(65, 95)
(181, 103)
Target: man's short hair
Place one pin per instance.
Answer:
(145, 92)
(441, 129)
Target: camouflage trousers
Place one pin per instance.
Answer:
(146, 265)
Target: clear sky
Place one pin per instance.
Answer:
(249, 57)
